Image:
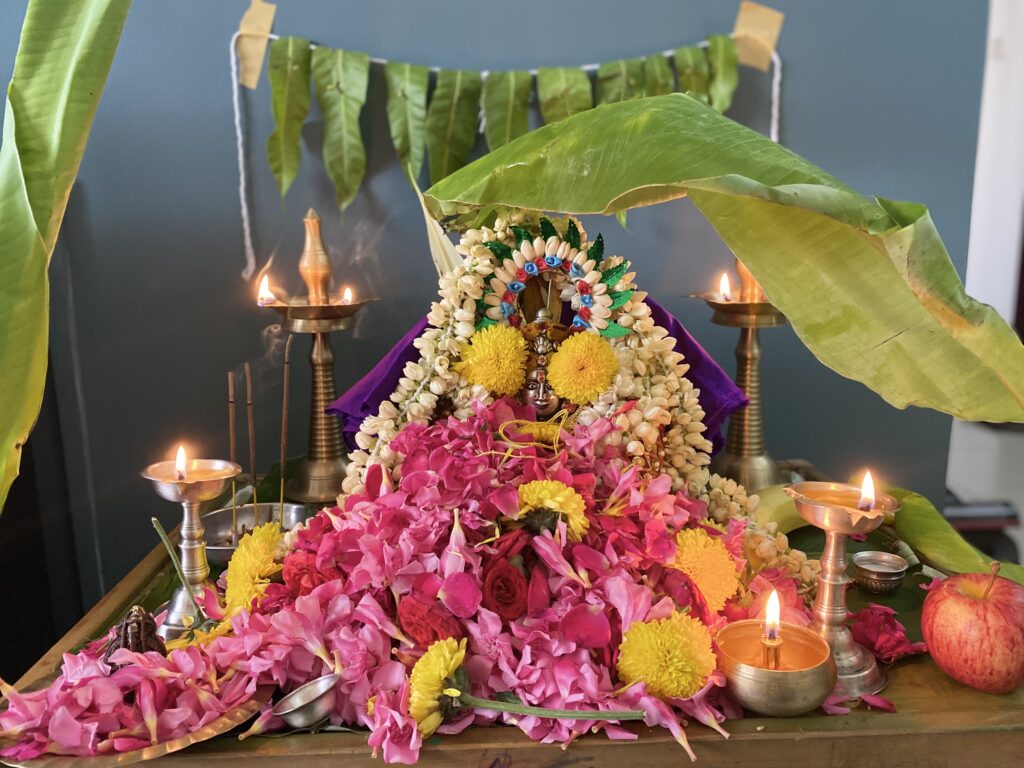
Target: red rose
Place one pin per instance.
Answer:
(427, 621)
(505, 590)
(301, 576)
(510, 544)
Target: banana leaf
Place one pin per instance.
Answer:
(452, 120)
(506, 101)
(407, 113)
(658, 77)
(289, 100)
(866, 283)
(722, 63)
(340, 79)
(620, 80)
(935, 541)
(692, 69)
(63, 59)
(562, 91)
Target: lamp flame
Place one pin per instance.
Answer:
(265, 297)
(771, 619)
(724, 289)
(346, 295)
(867, 493)
(181, 464)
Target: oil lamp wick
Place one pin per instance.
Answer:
(771, 640)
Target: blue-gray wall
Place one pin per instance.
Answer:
(149, 311)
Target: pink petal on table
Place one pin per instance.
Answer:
(878, 702)
(587, 626)
(836, 704)
(461, 595)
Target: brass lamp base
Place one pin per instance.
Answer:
(316, 481)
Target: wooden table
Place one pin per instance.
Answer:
(938, 723)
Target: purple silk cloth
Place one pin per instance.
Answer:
(719, 396)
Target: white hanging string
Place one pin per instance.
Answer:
(250, 253)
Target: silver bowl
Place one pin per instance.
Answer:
(879, 572)
(308, 704)
(218, 525)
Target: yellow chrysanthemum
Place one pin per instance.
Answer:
(546, 500)
(672, 656)
(706, 560)
(495, 358)
(583, 368)
(249, 572)
(546, 432)
(430, 680)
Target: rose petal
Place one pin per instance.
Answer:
(461, 595)
(587, 626)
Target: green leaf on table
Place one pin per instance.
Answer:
(563, 91)
(61, 66)
(339, 79)
(866, 284)
(775, 506)
(724, 72)
(692, 69)
(658, 78)
(407, 113)
(620, 80)
(289, 100)
(452, 120)
(506, 101)
(937, 543)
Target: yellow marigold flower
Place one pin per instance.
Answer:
(706, 560)
(542, 502)
(431, 679)
(251, 567)
(672, 656)
(249, 572)
(495, 358)
(583, 368)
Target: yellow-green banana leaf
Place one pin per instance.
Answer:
(63, 59)
(866, 283)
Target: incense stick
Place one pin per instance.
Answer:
(233, 451)
(251, 418)
(284, 420)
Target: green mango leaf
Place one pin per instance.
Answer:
(340, 79)
(866, 284)
(289, 100)
(407, 113)
(506, 101)
(563, 91)
(620, 80)
(937, 543)
(658, 77)
(724, 71)
(693, 72)
(452, 121)
(62, 63)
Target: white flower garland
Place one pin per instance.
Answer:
(665, 425)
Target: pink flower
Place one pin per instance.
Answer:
(877, 629)
(587, 626)
(394, 731)
(461, 595)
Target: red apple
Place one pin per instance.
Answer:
(973, 624)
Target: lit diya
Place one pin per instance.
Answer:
(775, 668)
